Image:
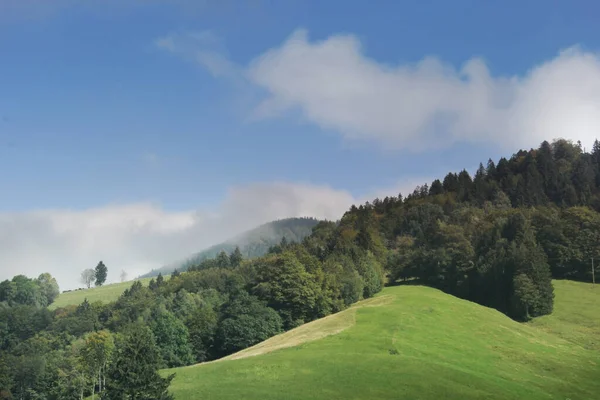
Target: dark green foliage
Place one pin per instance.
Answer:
(133, 372)
(82, 319)
(451, 183)
(39, 292)
(27, 292)
(286, 286)
(172, 338)
(101, 272)
(464, 236)
(202, 326)
(160, 281)
(245, 322)
(372, 275)
(236, 257)
(352, 288)
(533, 292)
(6, 382)
(21, 322)
(28, 371)
(133, 304)
(436, 188)
(223, 281)
(222, 260)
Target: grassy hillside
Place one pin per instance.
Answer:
(419, 343)
(253, 243)
(104, 294)
(576, 315)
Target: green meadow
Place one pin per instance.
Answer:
(576, 315)
(415, 342)
(105, 294)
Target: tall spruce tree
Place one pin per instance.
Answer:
(222, 260)
(100, 273)
(533, 293)
(160, 281)
(236, 257)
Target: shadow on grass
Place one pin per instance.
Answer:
(405, 282)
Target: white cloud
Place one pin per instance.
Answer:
(139, 237)
(428, 104)
(203, 47)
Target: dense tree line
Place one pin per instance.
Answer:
(21, 290)
(497, 238)
(192, 317)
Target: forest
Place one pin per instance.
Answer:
(497, 238)
(253, 243)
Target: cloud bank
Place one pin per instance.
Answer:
(139, 237)
(425, 105)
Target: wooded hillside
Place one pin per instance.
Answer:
(254, 243)
(497, 238)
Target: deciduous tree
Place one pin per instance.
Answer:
(88, 277)
(133, 371)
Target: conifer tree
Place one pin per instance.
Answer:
(100, 273)
(236, 257)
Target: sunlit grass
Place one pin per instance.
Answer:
(104, 294)
(417, 344)
(576, 315)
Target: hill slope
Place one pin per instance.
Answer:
(409, 342)
(576, 315)
(104, 294)
(253, 243)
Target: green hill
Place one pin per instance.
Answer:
(576, 315)
(253, 243)
(104, 294)
(415, 342)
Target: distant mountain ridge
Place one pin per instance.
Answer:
(253, 243)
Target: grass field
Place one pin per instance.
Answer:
(576, 315)
(104, 294)
(415, 342)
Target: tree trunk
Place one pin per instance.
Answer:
(104, 376)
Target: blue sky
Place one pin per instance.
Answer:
(170, 109)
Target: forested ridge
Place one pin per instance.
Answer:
(497, 238)
(254, 243)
